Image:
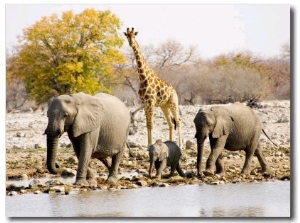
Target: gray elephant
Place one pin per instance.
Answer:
(163, 154)
(97, 126)
(233, 127)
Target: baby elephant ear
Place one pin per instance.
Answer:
(164, 152)
(88, 114)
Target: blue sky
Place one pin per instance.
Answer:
(214, 29)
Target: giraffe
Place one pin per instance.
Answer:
(154, 92)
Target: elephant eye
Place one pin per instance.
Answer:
(66, 114)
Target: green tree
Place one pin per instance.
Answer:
(69, 53)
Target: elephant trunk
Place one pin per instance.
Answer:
(150, 169)
(200, 148)
(52, 145)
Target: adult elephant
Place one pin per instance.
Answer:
(97, 126)
(233, 127)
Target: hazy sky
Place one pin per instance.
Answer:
(214, 29)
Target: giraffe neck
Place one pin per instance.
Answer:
(144, 70)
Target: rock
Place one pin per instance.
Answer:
(73, 160)
(36, 183)
(214, 183)
(54, 183)
(57, 189)
(190, 174)
(189, 145)
(142, 183)
(20, 134)
(23, 177)
(163, 185)
(12, 193)
(132, 186)
(37, 146)
(67, 172)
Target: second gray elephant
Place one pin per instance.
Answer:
(163, 154)
(233, 127)
(97, 126)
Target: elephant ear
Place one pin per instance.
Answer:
(164, 152)
(88, 114)
(223, 125)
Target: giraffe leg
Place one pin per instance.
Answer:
(149, 111)
(173, 106)
(169, 118)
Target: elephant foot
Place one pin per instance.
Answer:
(266, 170)
(112, 180)
(208, 173)
(246, 171)
(222, 173)
(158, 177)
(92, 182)
(82, 182)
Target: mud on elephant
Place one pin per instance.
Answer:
(97, 126)
(163, 154)
(233, 127)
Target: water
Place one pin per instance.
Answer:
(268, 199)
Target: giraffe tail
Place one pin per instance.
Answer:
(174, 121)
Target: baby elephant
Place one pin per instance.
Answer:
(163, 154)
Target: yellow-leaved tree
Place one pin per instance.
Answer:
(68, 54)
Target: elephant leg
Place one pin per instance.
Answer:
(249, 155)
(105, 162)
(217, 148)
(83, 161)
(113, 170)
(90, 174)
(163, 165)
(261, 159)
(91, 177)
(179, 170)
(173, 168)
(220, 165)
(157, 165)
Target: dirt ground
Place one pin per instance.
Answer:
(32, 163)
(26, 153)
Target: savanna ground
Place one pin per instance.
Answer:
(30, 163)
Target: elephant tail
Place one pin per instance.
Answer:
(180, 172)
(130, 153)
(269, 137)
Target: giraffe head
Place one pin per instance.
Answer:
(130, 35)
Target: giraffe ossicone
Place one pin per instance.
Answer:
(154, 92)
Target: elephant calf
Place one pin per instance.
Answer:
(163, 154)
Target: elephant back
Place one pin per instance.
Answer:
(174, 151)
(115, 122)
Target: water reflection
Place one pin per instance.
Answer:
(236, 212)
(269, 199)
